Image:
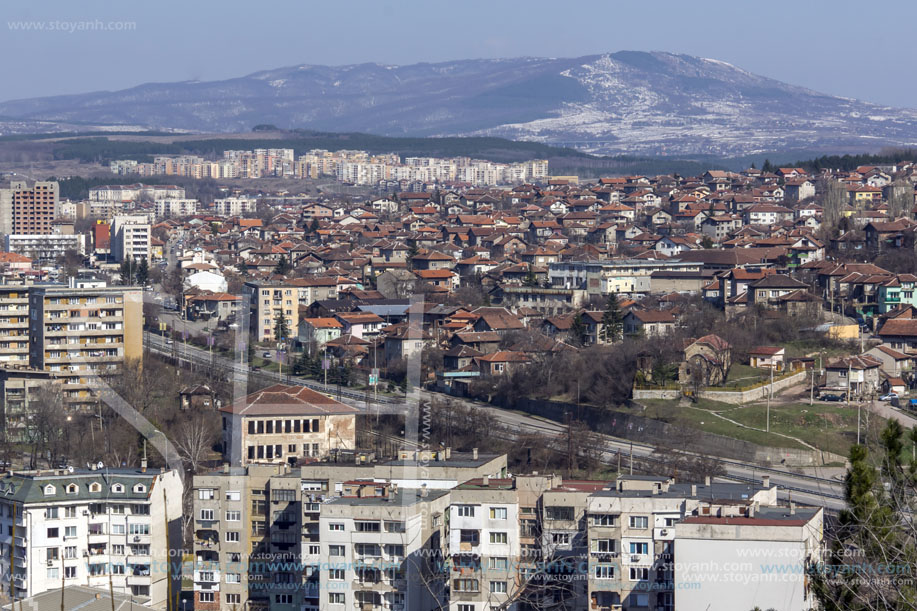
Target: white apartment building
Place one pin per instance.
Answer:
(88, 527)
(176, 208)
(484, 545)
(45, 246)
(765, 553)
(631, 534)
(235, 206)
(130, 237)
(380, 549)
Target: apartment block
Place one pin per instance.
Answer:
(283, 423)
(631, 535)
(14, 325)
(28, 209)
(176, 208)
(18, 389)
(231, 537)
(267, 302)
(103, 528)
(272, 514)
(81, 333)
(382, 547)
(130, 237)
(46, 247)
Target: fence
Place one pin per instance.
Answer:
(732, 395)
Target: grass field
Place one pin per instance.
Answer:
(828, 427)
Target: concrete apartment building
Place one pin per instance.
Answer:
(631, 535)
(28, 209)
(382, 547)
(80, 333)
(273, 513)
(19, 387)
(266, 303)
(231, 537)
(130, 238)
(785, 539)
(283, 423)
(72, 528)
(14, 325)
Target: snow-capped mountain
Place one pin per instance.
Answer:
(625, 102)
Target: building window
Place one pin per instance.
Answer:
(336, 598)
(233, 578)
(498, 587)
(336, 526)
(639, 548)
(498, 513)
(206, 597)
(639, 522)
(205, 494)
(604, 520)
(604, 571)
(335, 550)
(465, 511)
(206, 514)
(233, 599)
(53, 533)
(639, 573)
(232, 536)
(499, 563)
(336, 574)
(233, 516)
(498, 537)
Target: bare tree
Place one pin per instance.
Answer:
(833, 203)
(900, 199)
(194, 439)
(46, 425)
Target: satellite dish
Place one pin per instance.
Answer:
(70, 469)
(100, 465)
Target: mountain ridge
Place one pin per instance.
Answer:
(632, 102)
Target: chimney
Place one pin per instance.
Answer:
(474, 453)
(693, 489)
(226, 468)
(766, 481)
(707, 481)
(792, 508)
(485, 480)
(750, 511)
(98, 596)
(448, 453)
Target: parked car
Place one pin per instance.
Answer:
(266, 354)
(831, 397)
(889, 396)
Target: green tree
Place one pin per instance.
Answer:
(281, 327)
(128, 268)
(875, 532)
(283, 266)
(578, 330)
(301, 365)
(612, 321)
(530, 278)
(142, 273)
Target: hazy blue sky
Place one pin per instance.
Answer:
(839, 47)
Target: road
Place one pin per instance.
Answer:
(804, 489)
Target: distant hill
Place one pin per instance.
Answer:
(626, 102)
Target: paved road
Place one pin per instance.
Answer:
(811, 489)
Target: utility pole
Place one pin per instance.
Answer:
(770, 392)
(812, 387)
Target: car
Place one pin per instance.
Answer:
(266, 354)
(169, 341)
(889, 396)
(831, 398)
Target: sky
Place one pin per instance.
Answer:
(52, 47)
